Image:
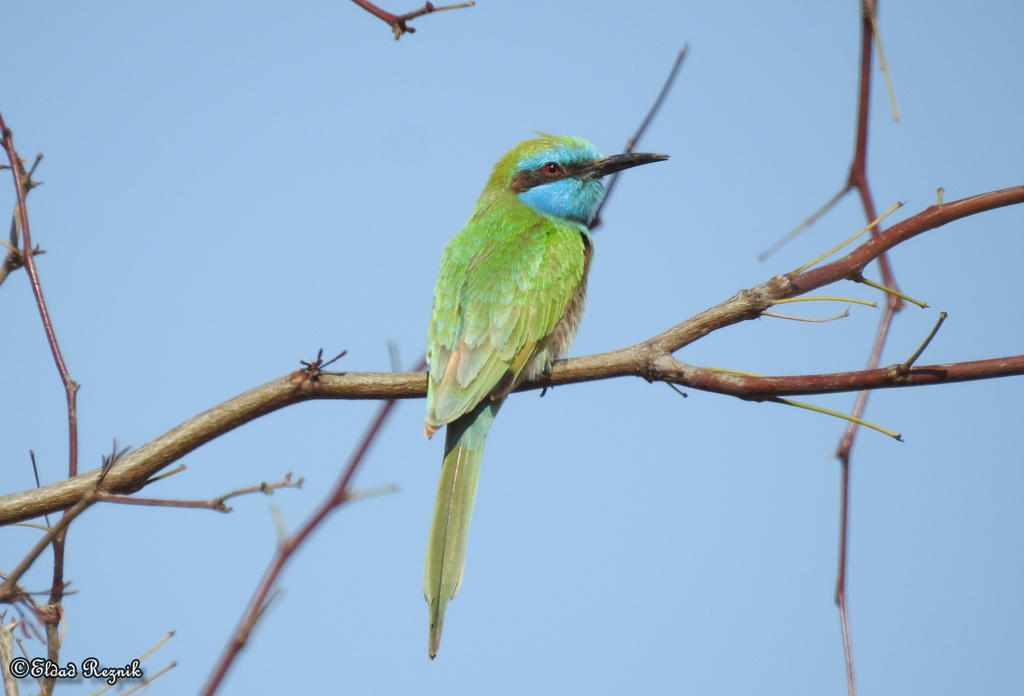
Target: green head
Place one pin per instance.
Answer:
(561, 175)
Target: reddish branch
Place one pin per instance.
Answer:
(338, 496)
(9, 591)
(218, 504)
(652, 360)
(13, 259)
(398, 23)
(859, 179)
(21, 185)
(635, 140)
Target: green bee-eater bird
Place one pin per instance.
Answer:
(508, 300)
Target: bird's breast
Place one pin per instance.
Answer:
(558, 342)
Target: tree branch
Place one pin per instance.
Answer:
(339, 495)
(218, 504)
(22, 183)
(398, 23)
(632, 142)
(651, 360)
(14, 258)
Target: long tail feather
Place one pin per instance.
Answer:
(446, 548)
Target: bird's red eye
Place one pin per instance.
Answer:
(552, 168)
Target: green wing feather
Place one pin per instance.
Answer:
(505, 283)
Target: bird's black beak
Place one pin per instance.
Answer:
(616, 163)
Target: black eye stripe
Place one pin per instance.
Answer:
(528, 178)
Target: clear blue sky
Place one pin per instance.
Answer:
(228, 189)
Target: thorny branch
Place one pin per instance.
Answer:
(217, 504)
(651, 360)
(337, 497)
(859, 179)
(9, 591)
(399, 23)
(14, 260)
(21, 185)
(635, 140)
(22, 182)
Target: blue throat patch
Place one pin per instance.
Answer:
(570, 198)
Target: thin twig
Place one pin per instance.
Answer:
(394, 356)
(849, 240)
(651, 360)
(337, 497)
(142, 658)
(917, 354)
(8, 590)
(70, 387)
(146, 682)
(214, 504)
(635, 140)
(845, 313)
(35, 472)
(176, 470)
(22, 182)
(827, 298)
(858, 178)
(56, 534)
(884, 66)
(14, 258)
(6, 655)
(839, 414)
(896, 293)
(858, 168)
(811, 219)
(398, 23)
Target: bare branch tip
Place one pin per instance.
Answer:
(677, 390)
(648, 118)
